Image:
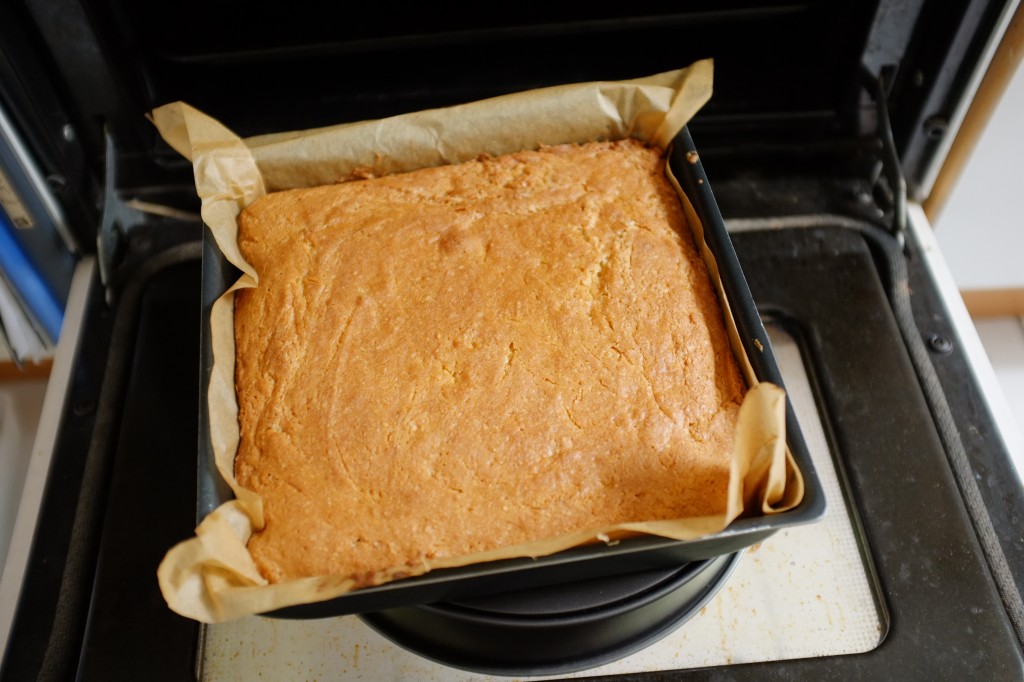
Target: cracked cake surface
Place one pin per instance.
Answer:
(459, 358)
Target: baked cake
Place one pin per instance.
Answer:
(479, 355)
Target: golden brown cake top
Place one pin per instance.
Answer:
(464, 357)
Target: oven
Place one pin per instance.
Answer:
(826, 129)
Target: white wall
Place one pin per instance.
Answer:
(981, 229)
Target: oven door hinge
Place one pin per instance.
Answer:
(117, 221)
(888, 181)
(120, 244)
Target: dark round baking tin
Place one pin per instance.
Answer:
(559, 628)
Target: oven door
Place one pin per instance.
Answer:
(122, 480)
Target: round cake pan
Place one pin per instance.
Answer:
(556, 629)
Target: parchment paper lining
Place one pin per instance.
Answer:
(212, 577)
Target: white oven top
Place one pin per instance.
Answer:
(31, 475)
(1006, 423)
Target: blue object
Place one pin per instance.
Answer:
(41, 304)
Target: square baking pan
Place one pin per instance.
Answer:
(590, 561)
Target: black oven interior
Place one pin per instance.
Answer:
(791, 140)
(788, 76)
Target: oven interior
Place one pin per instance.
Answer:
(798, 152)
